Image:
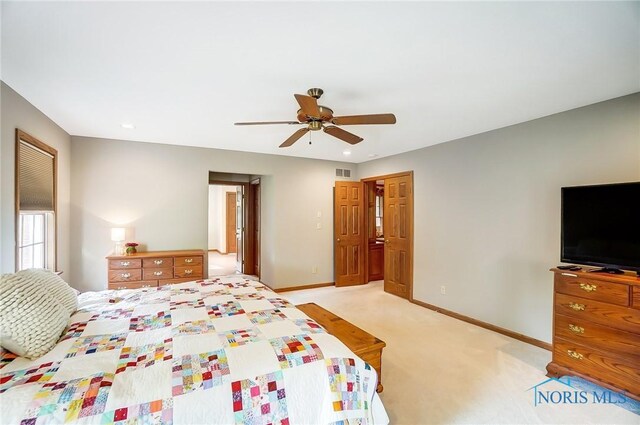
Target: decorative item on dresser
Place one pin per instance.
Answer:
(363, 344)
(154, 268)
(596, 329)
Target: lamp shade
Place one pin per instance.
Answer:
(117, 234)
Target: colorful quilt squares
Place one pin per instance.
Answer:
(150, 321)
(264, 317)
(186, 304)
(198, 371)
(261, 401)
(95, 344)
(237, 337)
(195, 327)
(296, 350)
(158, 412)
(70, 400)
(144, 356)
(280, 303)
(74, 330)
(309, 326)
(230, 308)
(113, 314)
(41, 373)
(348, 385)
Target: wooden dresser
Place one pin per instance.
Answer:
(596, 329)
(154, 268)
(363, 344)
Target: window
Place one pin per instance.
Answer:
(36, 165)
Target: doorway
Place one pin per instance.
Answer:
(224, 236)
(373, 226)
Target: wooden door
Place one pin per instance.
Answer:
(349, 233)
(398, 235)
(240, 229)
(230, 226)
(256, 227)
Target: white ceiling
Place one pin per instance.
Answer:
(184, 73)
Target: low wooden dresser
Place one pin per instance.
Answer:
(154, 268)
(596, 329)
(363, 344)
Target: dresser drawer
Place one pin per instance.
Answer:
(125, 264)
(597, 336)
(188, 261)
(624, 318)
(125, 275)
(636, 297)
(188, 271)
(157, 262)
(615, 293)
(134, 285)
(157, 273)
(623, 373)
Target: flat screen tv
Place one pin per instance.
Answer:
(601, 226)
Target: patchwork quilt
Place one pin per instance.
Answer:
(220, 351)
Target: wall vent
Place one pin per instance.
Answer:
(341, 172)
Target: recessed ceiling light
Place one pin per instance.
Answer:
(346, 153)
(373, 155)
(127, 125)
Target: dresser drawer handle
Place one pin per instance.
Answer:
(188, 271)
(125, 275)
(575, 355)
(577, 307)
(587, 287)
(157, 273)
(121, 287)
(146, 286)
(576, 329)
(158, 262)
(125, 263)
(188, 260)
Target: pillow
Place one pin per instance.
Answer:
(54, 284)
(31, 317)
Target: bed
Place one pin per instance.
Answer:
(219, 351)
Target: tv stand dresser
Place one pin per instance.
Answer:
(155, 268)
(596, 329)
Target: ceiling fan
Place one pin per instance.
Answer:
(317, 117)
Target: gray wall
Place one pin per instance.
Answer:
(16, 112)
(487, 208)
(160, 193)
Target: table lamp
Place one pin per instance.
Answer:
(117, 236)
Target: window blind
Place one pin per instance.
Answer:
(36, 179)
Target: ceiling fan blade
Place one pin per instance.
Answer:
(343, 135)
(365, 119)
(309, 105)
(266, 122)
(294, 137)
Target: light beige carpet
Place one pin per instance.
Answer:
(437, 369)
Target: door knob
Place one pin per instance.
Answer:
(386, 241)
(338, 240)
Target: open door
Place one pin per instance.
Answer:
(349, 233)
(398, 231)
(230, 223)
(240, 229)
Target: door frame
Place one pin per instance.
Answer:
(248, 238)
(411, 220)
